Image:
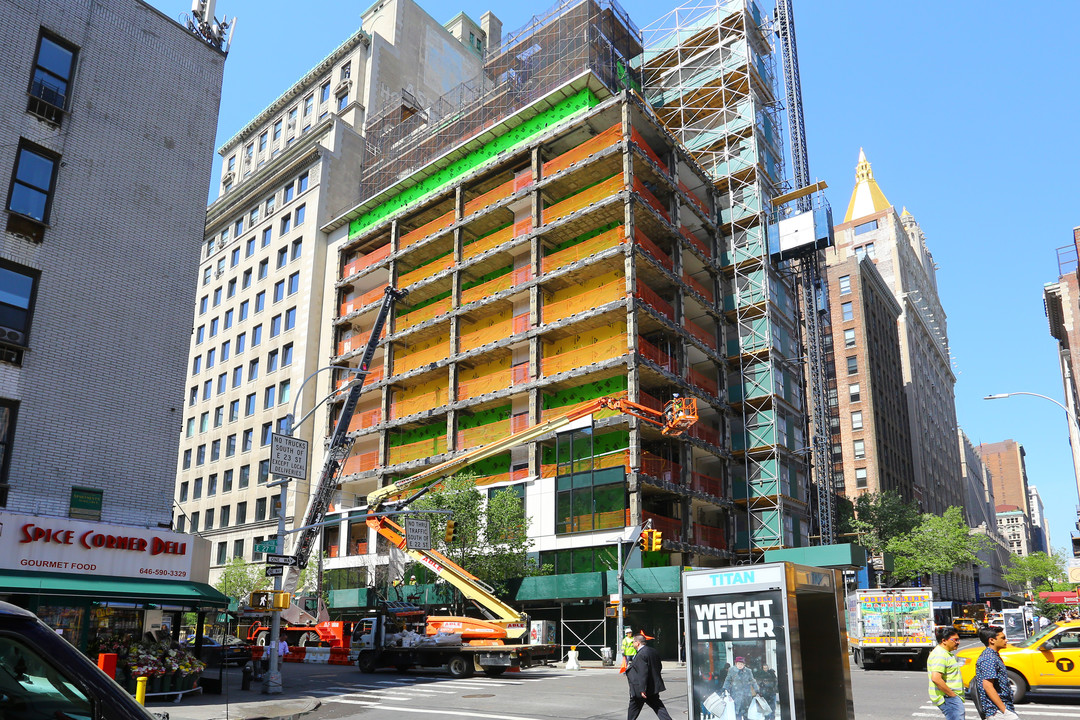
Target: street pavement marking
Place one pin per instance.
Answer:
(349, 701)
(1028, 709)
(465, 713)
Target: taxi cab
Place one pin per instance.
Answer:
(1048, 663)
(965, 626)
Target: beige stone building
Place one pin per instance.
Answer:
(259, 317)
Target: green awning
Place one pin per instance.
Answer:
(170, 592)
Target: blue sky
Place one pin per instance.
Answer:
(948, 101)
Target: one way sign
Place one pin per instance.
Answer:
(289, 560)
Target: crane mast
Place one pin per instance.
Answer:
(809, 274)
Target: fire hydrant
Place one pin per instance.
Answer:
(246, 675)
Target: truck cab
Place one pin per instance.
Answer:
(44, 676)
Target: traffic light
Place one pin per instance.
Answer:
(657, 541)
(450, 531)
(270, 600)
(644, 540)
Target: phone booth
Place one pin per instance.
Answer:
(767, 642)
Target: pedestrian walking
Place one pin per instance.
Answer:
(282, 651)
(994, 691)
(945, 683)
(646, 684)
(741, 685)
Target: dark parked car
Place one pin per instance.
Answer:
(43, 676)
(233, 651)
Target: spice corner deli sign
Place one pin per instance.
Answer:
(35, 542)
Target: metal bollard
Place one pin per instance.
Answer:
(246, 675)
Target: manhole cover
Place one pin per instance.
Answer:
(478, 695)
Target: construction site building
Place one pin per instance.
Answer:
(708, 71)
(557, 246)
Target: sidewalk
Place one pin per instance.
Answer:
(297, 679)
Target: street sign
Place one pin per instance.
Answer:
(288, 456)
(289, 560)
(992, 594)
(266, 547)
(275, 571)
(417, 534)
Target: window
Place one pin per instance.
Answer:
(241, 343)
(213, 333)
(342, 101)
(289, 193)
(196, 492)
(282, 257)
(260, 509)
(854, 392)
(222, 380)
(49, 85)
(211, 486)
(244, 310)
(272, 361)
(301, 184)
(870, 252)
(260, 301)
(585, 499)
(217, 297)
(264, 266)
(234, 260)
(204, 302)
(190, 426)
(275, 326)
(277, 130)
(249, 405)
(262, 142)
(223, 520)
(256, 335)
(290, 318)
(246, 446)
(256, 555)
(228, 319)
(200, 334)
(204, 422)
(269, 209)
(219, 416)
(852, 365)
(286, 226)
(184, 490)
(275, 506)
(238, 548)
(222, 547)
(300, 212)
(194, 522)
(268, 397)
(324, 93)
(860, 449)
(225, 348)
(264, 472)
(849, 338)
(253, 369)
(265, 435)
(309, 105)
(286, 355)
(194, 396)
(253, 217)
(283, 391)
(32, 187)
(230, 445)
(249, 248)
(846, 311)
(215, 454)
(187, 464)
(856, 420)
(266, 236)
(845, 284)
(208, 389)
(860, 477)
(279, 291)
(17, 289)
(234, 409)
(282, 423)
(297, 246)
(866, 227)
(245, 476)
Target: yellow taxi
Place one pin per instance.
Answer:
(1047, 663)
(965, 626)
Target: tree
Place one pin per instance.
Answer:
(492, 542)
(1039, 572)
(881, 517)
(239, 579)
(937, 545)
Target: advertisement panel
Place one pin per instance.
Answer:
(63, 545)
(737, 635)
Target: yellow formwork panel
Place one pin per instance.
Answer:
(588, 285)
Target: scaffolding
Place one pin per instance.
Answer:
(708, 73)
(573, 37)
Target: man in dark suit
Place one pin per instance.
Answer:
(643, 675)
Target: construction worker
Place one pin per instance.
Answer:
(412, 580)
(628, 649)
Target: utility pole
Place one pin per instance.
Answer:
(272, 681)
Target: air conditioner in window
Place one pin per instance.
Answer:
(219, 273)
(11, 335)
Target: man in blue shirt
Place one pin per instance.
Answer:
(991, 678)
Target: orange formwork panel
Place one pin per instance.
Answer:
(429, 228)
(428, 312)
(521, 323)
(707, 339)
(693, 240)
(671, 527)
(416, 403)
(642, 240)
(425, 271)
(603, 241)
(414, 360)
(694, 198)
(367, 261)
(604, 350)
(483, 290)
(484, 384)
(596, 521)
(491, 197)
(350, 306)
(649, 296)
(497, 238)
(707, 484)
(478, 338)
(361, 462)
(482, 435)
(701, 289)
(583, 199)
(375, 374)
(661, 469)
(638, 140)
(658, 356)
(356, 342)
(705, 433)
(417, 450)
(575, 155)
(587, 300)
(710, 536)
(648, 197)
(363, 420)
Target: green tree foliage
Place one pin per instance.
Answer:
(239, 579)
(937, 545)
(1039, 572)
(492, 541)
(880, 518)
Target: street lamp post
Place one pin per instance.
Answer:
(1074, 434)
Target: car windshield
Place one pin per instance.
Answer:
(1039, 638)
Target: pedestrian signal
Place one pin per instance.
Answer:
(656, 541)
(270, 600)
(450, 531)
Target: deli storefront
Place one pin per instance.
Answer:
(90, 579)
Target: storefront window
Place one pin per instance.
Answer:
(66, 621)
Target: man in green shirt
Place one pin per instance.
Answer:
(946, 687)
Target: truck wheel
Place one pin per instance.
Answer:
(1020, 686)
(494, 671)
(366, 662)
(869, 661)
(460, 666)
(858, 657)
(262, 638)
(308, 638)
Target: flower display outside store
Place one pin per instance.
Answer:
(166, 667)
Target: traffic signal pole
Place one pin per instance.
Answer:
(634, 535)
(272, 682)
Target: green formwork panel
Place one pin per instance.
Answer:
(842, 555)
(353, 598)
(599, 585)
(648, 581)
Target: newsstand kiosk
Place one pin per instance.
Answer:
(767, 641)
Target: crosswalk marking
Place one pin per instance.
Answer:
(1023, 710)
(432, 711)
